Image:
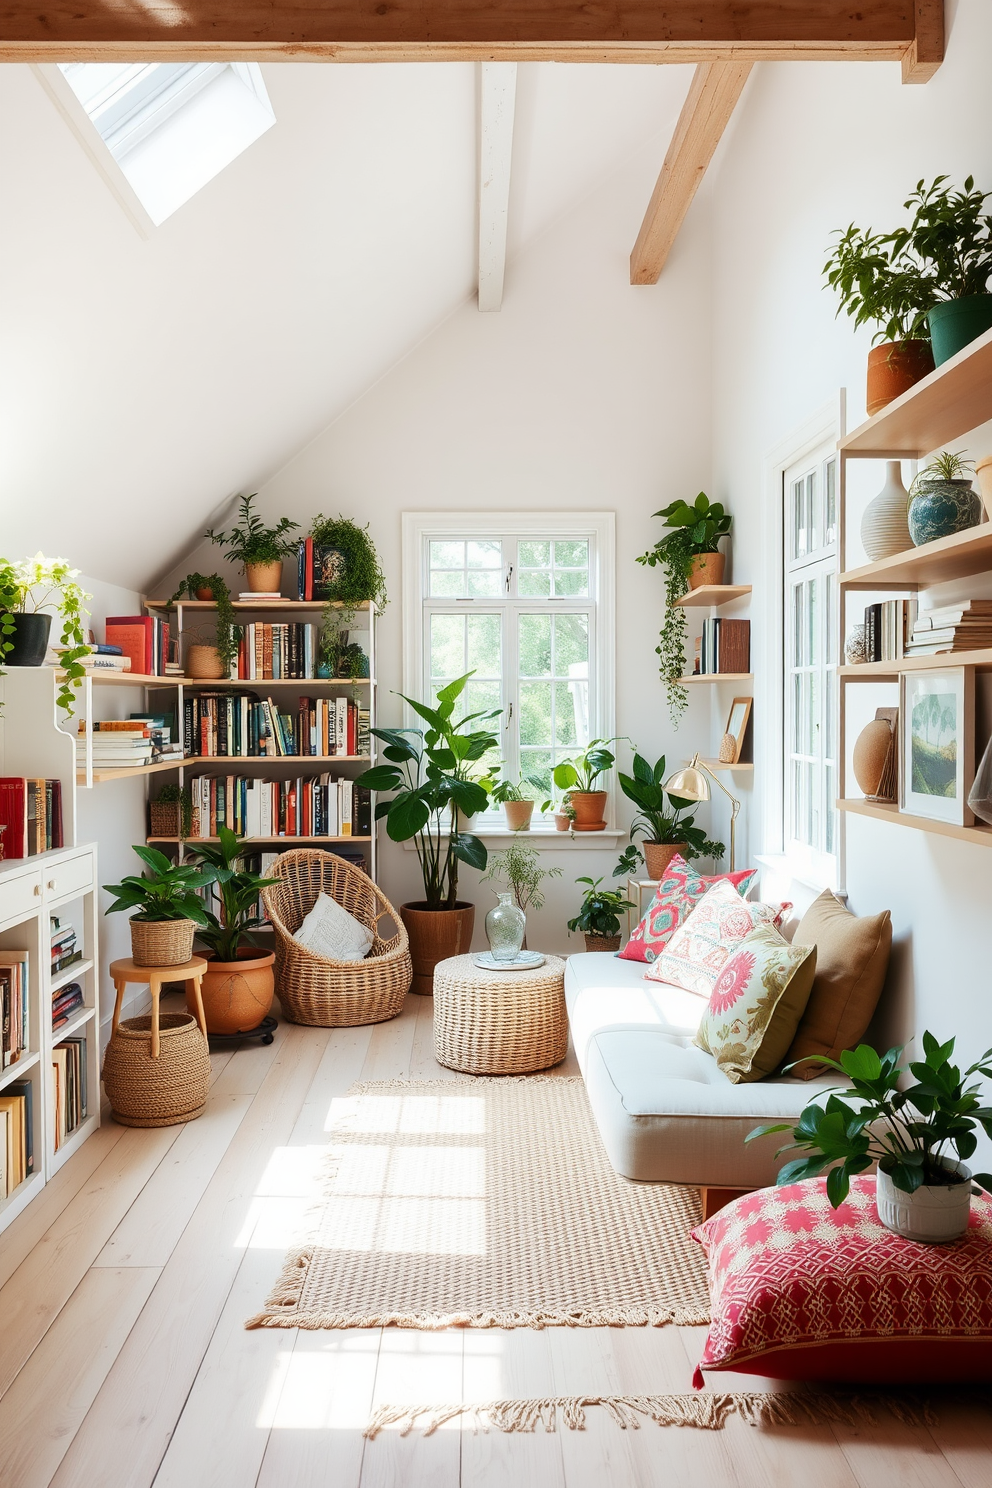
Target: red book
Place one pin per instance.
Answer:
(135, 634)
(308, 568)
(352, 728)
(14, 816)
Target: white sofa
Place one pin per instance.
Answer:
(664, 1109)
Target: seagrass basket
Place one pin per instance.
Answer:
(157, 1092)
(166, 819)
(314, 989)
(161, 942)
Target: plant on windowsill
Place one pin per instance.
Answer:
(665, 830)
(520, 867)
(214, 660)
(259, 548)
(238, 985)
(923, 1191)
(168, 908)
(599, 916)
(578, 776)
(518, 808)
(430, 777)
(26, 588)
(350, 575)
(690, 555)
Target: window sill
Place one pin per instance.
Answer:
(545, 840)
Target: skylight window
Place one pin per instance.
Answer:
(172, 126)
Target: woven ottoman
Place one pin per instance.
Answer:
(499, 1022)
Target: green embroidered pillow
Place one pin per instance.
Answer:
(756, 1004)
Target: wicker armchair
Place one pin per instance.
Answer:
(312, 988)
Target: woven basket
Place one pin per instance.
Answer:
(499, 1023)
(204, 663)
(166, 819)
(161, 942)
(157, 1092)
(314, 989)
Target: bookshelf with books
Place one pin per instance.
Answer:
(721, 653)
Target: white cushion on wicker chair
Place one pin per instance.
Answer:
(331, 931)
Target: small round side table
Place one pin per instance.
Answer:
(499, 1022)
(191, 972)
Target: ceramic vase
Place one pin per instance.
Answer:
(885, 524)
(506, 926)
(855, 648)
(932, 1215)
(942, 507)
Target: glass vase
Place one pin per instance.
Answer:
(506, 926)
(980, 795)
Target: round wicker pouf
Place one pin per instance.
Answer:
(157, 1092)
(499, 1022)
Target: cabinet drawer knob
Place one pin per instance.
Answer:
(51, 883)
(37, 889)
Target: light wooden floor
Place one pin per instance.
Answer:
(124, 1361)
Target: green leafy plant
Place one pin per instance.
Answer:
(228, 631)
(361, 581)
(32, 585)
(238, 891)
(658, 822)
(944, 467)
(520, 868)
(182, 795)
(582, 772)
(873, 290)
(695, 529)
(165, 891)
(251, 541)
(911, 1133)
(430, 774)
(601, 910)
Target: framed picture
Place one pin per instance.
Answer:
(740, 712)
(938, 743)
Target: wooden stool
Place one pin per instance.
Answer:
(190, 971)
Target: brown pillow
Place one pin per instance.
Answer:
(852, 955)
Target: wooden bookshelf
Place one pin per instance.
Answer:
(716, 677)
(889, 812)
(715, 764)
(273, 759)
(956, 557)
(314, 841)
(124, 772)
(882, 671)
(712, 596)
(271, 606)
(138, 679)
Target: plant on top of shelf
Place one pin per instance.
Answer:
(163, 894)
(238, 986)
(599, 915)
(665, 829)
(353, 577)
(690, 555)
(26, 587)
(942, 499)
(260, 548)
(912, 1131)
(213, 587)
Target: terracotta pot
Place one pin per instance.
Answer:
(893, 368)
(602, 942)
(706, 568)
(206, 595)
(204, 663)
(590, 810)
(563, 823)
(658, 855)
(518, 815)
(435, 935)
(237, 994)
(264, 577)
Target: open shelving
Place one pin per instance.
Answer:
(716, 677)
(712, 596)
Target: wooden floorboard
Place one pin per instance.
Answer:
(124, 1362)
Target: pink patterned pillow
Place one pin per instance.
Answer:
(678, 893)
(700, 948)
(800, 1290)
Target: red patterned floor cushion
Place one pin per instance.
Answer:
(800, 1290)
(676, 896)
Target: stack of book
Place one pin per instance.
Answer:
(724, 646)
(317, 806)
(31, 812)
(888, 628)
(15, 1031)
(143, 639)
(65, 951)
(16, 1135)
(965, 626)
(68, 1107)
(263, 597)
(98, 658)
(118, 743)
(65, 1002)
(241, 725)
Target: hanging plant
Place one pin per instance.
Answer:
(228, 631)
(27, 587)
(360, 580)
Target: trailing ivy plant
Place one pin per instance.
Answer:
(228, 631)
(27, 587)
(250, 541)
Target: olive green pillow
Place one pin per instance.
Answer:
(756, 1003)
(852, 956)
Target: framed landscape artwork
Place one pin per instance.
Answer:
(938, 744)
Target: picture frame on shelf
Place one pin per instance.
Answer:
(937, 725)
(733, 735)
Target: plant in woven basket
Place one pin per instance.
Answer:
(250, 541)
(181, 797)
(655, 822)
(228, 631)
(601, 910)
(237, 891)
(165, 891)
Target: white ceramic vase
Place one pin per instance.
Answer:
(885, 524)
(932, 1215)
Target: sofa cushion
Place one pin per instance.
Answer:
(756, 1003)
(699, 949)
(852, 955)
(602, 991)
(677, 894)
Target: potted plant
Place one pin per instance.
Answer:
(918, 1134)
(429, 775)
(665, 830)
(261, 549)
(350, 575)
(690, 556)
(578, 776)
(517, 808)
(205, 660)
(238, 985)
(599, 916)
(520, 868)
(942, 499)
(172, 811)
(564, 814)
(948, 248)
(169, 908)
(26, 588)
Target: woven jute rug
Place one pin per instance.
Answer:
(486, 1204)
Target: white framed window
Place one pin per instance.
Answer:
(526, 601)
(811, 556)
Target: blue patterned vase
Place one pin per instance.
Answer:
(940, 507)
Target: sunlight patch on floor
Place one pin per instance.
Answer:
(408, 1115)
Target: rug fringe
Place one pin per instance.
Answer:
(702, 1411)
(286, 1294)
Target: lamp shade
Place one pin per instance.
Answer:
(691, 784)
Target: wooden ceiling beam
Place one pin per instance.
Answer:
(712, 97)
(680, 53)
(498, 92)
(926, 52)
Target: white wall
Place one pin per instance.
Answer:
(816, 147)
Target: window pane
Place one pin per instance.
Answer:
(571, 554)
(484, 649)
(535, 713)
(536, 762)
(830, 516)
(534, 583)
(535, 645)
(448, 585)
(571, 583)
(447, 555)
(812, 636)
(812, 512)
(570, 712)
(485, 555)
(483, 583)
(571, 644)
(447, 645)
(534, 555)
